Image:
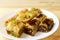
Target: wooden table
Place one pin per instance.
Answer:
(50, 5)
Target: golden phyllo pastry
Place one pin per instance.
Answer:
(46, 25)
(15, 28)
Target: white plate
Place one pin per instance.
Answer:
(38, 35)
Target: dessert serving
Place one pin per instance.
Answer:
(29, 22)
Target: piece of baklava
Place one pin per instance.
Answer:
(27, 15)
(40, 18)
(46, 25)
(31, 28)
(15, 28)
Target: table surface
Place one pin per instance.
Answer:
(50, 5)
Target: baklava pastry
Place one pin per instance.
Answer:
(15, 28)
(49, 22)
(27, 15)
(31, 28)
(46, 25)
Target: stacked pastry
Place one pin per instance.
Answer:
(29, 22)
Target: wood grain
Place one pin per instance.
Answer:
(50, 5)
